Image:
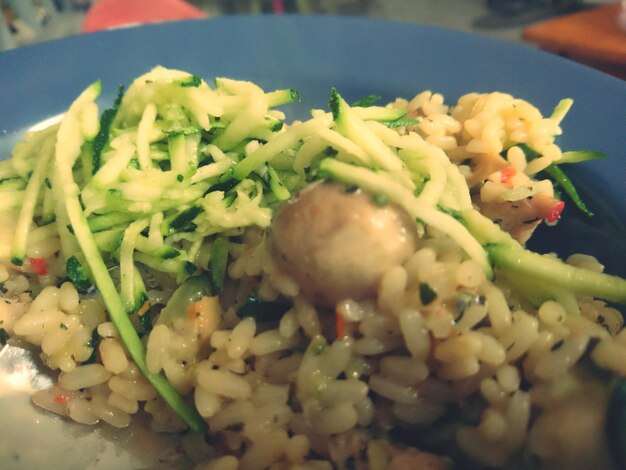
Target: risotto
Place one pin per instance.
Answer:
(349, 291)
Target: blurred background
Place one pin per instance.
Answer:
(554, 25)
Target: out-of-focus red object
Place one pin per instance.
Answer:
(593, 37)
(106, 14)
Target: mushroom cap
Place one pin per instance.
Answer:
(337, 242)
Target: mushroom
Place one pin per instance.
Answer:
(336, 242)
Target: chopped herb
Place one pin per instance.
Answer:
(63, 326)
(77, 275)
(180, 178)
(145, 322)
(262, 311)
(189, 268)
(93, 344)
(427, 293)
(48, 183)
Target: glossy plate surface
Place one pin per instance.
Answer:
(312, 54)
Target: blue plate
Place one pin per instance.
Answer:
(358, 57)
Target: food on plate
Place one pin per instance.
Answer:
(347, 291)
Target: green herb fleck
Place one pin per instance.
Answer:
(427, 293)
(77, 275)
(145, 321)
(93, 345)
(189, 268)
(262, 311)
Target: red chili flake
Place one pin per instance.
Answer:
(40, 265)
(555, 212)
(61, 399)
(507, 173)
(340, 324)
